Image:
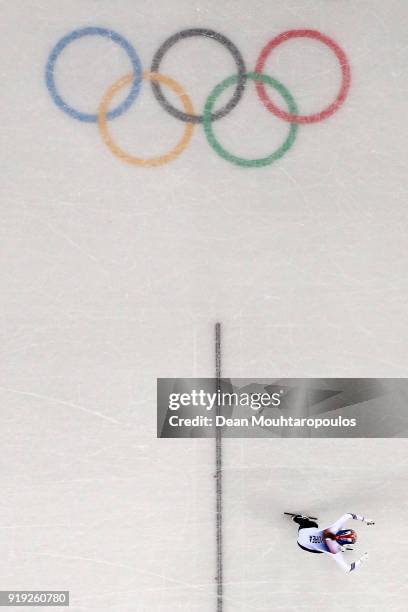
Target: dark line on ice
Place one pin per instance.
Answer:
(218, 475)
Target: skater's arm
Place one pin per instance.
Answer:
(332, 545)
(343, 519)
(348, 567)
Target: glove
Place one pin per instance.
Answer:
(369, 521)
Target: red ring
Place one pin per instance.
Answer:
(345, 72)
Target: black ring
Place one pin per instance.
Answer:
(223, 40)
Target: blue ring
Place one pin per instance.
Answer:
(93, 31)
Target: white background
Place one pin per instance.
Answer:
(114, 275)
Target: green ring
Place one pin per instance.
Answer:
(241, 161)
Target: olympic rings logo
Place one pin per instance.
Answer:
(238, 81)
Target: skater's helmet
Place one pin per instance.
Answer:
(346, 536)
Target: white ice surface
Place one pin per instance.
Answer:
(114, 275)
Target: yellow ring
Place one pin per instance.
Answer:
(131, 159)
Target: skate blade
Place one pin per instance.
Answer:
(312, 518)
